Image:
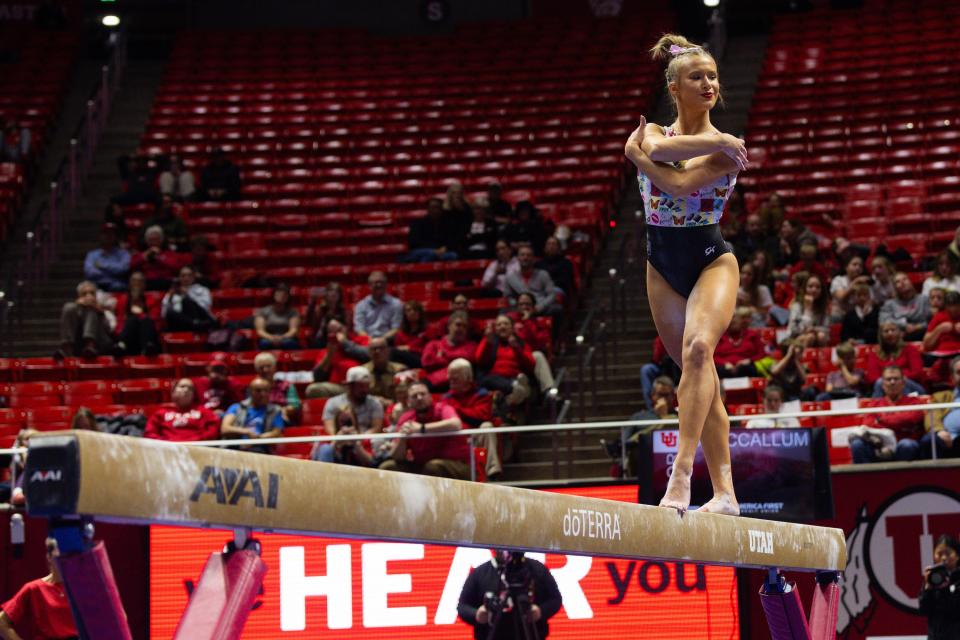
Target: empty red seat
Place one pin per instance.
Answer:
(94, 368)
(88, 392)
(142, 391)
(159, 366)
(42, 369)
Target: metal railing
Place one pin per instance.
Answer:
(45, 234)
(567, 428)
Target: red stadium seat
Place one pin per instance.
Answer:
(88, 393)
(142, 391)
(159, 366)
(300, 449)
(94, 368)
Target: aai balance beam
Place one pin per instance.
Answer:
(124, 479)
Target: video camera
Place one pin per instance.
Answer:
(514, 596)
(939, 576)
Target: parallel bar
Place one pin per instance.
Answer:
(118, 478)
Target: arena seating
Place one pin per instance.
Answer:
(34, 68)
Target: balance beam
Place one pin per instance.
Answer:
(134, 480)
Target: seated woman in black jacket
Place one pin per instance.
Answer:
(940, 594)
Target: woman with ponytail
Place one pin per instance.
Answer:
(687, 171)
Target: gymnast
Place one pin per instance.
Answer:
(687, 171)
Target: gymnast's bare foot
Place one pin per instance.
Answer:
(723, 503)
(678, 491)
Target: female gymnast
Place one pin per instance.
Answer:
(687, 171)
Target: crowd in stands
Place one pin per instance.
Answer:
(823, 320)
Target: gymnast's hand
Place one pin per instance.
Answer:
(633, 143)
(735, 149)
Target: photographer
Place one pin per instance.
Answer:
(510, 585)
(940, 594)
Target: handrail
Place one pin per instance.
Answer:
(45, 234)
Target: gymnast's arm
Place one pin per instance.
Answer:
(660, 148)
(681, 182)
(7, 632)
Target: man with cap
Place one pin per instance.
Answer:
(446, 456)
(185, 421)
(368, 410)
(215, 391)
(107, 266)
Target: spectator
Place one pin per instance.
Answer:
(480, 239)
(841, 287)
(890, 435)
(944, 276)
(532, 280)
(220, 179)
(772, 213)
(792, 235)
(254, 418)
(847, 380)
(754, 295)
(505, 264)
(891, 350)
(278, 324)
(772, 404)
(475, 326)
(444, 456)
(141, 310)
(367, 411)
(439, 353)
(474, 406)
(84, 420)
(936, 297)
(954, 247)
(731, 225)
(204, 263)
(663, 405)
(176, 181)
(140, 181)
(14, 142)
(332, 364)
(184, 422)
(457, 211)
(526, 228)
(753, 238)
(282, 392)
(431, 236)
(216, 392)
(809, 313)
(861, 322)
(113, 214)
(661, 364)
(40, 606)
(157, 262)
(943, 332)
(174, 228)
(739, 347)
(881, 269)
(810, 263)
(505, 361)
(763, 265)
(383, 371)
(86, 324)
(940, 603)
(412, 336)
(326, 304)
(186, 307)
(107, 266)
(789, 373)
(557, 265)
(354, 452)
(945, 423)
(908, 309)
(500, 209)
(534, 330)
(379, 314)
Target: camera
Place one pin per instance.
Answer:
(514, 596)
(939, 576)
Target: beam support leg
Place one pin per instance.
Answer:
(225, 594)
(783, 609)
(825, 606)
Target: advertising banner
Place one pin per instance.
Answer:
(333, 588)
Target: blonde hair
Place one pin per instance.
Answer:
(660, 52)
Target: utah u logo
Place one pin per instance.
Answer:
(669, 439)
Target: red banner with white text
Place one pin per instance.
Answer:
(335, 588)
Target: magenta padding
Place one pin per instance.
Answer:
(823, 612)
(93, 593)
(221, 602)
(785, 616)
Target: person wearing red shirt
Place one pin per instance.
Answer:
(158, 262)
(446, 456)
(943, 332)
(907, 426)
(184, 422)
(535, 330)
(892, 350)
(506, 361)
(474, 405)
(332, 364)
(216, 392)
(412, 337)
(439, 353)
(475, 326)
(739, 347)
(40, 610)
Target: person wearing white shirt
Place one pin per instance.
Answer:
(772, 402)
(186, 306)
